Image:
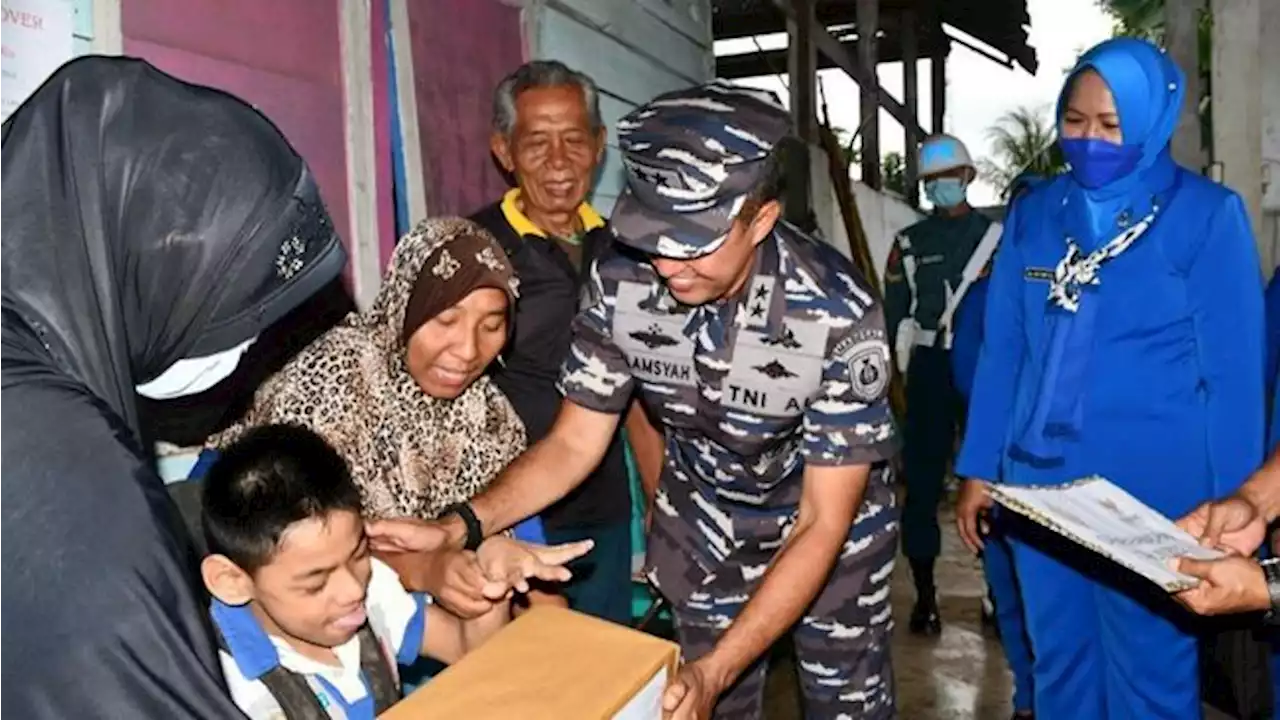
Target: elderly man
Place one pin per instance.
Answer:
(548, 135)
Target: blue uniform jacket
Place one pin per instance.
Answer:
(967, 337)
(1273, 328)
(1173, 407)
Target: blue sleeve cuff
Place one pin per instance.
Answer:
(531, 531)
(970, 467)
(207, 458)
(411, 645)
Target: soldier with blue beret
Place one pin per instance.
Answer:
(762, 355)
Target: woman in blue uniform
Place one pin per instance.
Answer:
(1124, 337)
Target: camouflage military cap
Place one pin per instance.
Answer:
(692, 156)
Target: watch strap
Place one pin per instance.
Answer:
(1271, 571)
(475, 535)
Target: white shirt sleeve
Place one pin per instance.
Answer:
(395, 614)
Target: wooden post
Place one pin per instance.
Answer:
(868, 12)
(802, 64)
(911, 91)
(1237, 105)
(846, 59)
(1181, 39)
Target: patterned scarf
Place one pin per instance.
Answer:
(411, 454)
(1147, 87)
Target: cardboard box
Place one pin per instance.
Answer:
(551, 664)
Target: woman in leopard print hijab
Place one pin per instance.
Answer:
(399, 389)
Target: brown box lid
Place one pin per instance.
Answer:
(548, 664)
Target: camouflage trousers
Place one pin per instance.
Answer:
(842, 641)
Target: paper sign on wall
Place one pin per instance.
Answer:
(37, 39)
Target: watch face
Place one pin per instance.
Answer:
(1271, 570)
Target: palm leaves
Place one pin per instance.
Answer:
(893, 169)
(1022, 140)
(1136, 18)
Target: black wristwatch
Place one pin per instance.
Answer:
(475, 535)
(1271, 571)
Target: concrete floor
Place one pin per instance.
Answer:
(960, 675)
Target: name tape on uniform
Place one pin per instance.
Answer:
(656, 347)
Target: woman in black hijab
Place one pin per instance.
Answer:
(146, 222)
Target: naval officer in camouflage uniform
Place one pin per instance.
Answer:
(763, 356)
(924, 271)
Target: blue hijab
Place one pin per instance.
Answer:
(1148, 89)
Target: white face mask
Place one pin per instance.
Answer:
(195, 375)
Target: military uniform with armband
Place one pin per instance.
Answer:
(930, 269)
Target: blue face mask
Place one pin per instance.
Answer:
(945, 192)
(1095, 163)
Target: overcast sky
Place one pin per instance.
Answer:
(979, 90)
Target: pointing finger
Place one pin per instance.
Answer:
(561, 554)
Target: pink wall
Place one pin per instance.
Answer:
(283, 57)
(461, 50)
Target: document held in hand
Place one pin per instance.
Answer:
(1109, 521)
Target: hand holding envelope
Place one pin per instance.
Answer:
(1231, 584)
(1098, 515)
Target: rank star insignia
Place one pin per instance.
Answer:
(775, 370)
(762, 292)
(757, 310)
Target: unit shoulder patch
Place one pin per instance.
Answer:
(866, 360)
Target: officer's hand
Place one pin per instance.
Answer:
(514, 563)
(971, 513)
(1227, 585)
(453, 577)
(1232, 524)
(692, 694)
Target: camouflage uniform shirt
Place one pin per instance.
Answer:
(793, 370)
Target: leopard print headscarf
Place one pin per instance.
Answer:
(412, 455)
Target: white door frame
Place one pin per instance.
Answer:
(354, 21)
(108, 35)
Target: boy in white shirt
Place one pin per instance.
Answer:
(309, 624)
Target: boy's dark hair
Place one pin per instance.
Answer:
(271, 478)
